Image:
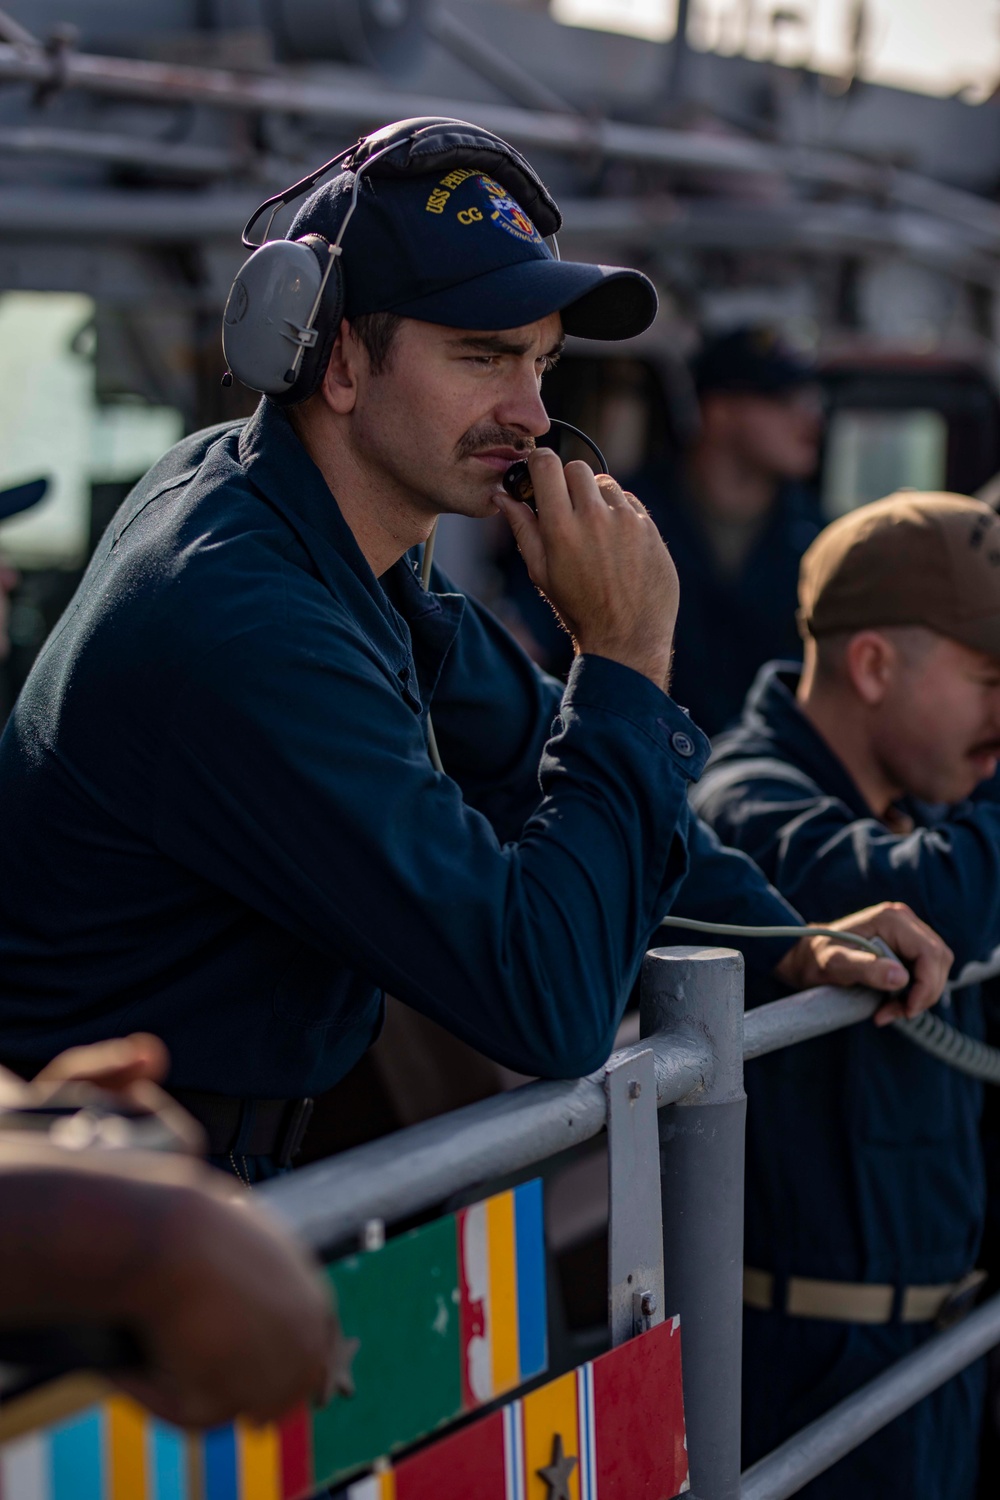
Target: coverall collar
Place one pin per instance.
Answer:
(425, 623)
(773, 713)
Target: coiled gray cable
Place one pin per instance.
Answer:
(949, 1045)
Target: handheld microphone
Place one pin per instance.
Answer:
(517, 480)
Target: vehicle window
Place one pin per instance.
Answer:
(871, 453)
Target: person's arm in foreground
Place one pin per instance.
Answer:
(231, 1316)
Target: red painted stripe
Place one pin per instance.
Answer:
(295, 1439)
(639, 1417)
(468, 1464)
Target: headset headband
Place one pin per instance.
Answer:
(285, 306)
(425, 144)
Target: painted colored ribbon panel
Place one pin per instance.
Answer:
(447, 1317)
(619, 1422)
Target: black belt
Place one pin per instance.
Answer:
(249, 1127)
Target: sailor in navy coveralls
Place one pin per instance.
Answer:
(219, 819)
(865, 1185)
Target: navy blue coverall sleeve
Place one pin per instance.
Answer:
(295, 775)
(828, 861)
(493, 710)
(724, 885)
(491, 693)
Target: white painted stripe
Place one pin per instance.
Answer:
(476, 1265)
(513, 1451)
(587, 1433)
(25, 1472)
(366, 1489)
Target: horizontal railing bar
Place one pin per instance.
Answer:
(818, 1446)
(799, 1018)
(401, 1174)
(812, 1013)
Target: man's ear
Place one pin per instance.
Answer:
(340, 383)
(870, 660)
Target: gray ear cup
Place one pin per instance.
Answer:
(316, 356)
(268, 318)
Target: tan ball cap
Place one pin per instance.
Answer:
(910, 559)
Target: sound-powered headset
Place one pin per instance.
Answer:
(285, 307)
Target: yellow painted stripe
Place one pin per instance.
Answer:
(387, 1485)
(549, 1410)
(126, 1429)
(259, 1462)
(502, 1255)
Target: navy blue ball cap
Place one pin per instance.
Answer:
(21, 497)
(456, 248)
(755, 361)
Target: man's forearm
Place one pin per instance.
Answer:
(76, 1235)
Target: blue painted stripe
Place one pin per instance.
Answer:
(76, 1454)
(529, 1236)
(222, 1480)
(167, 1459)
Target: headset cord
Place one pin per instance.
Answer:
(945, 1042)
(426, 563)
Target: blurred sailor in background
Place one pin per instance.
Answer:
(12, 502)
(865, 1173)
(737, 514)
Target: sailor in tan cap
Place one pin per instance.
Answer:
(918, 577)
(865, 1172)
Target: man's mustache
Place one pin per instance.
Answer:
(478, 438)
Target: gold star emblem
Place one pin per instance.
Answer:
(557, 1473)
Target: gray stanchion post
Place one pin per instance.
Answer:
(699, 992)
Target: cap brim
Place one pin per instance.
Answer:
(979, 635)
(21, 497)
(596, 302)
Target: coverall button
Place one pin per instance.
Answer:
(682, 743)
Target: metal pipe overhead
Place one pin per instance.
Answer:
(173, 216)
(569, 134)
(12, 31)
(88, 145)
(362, 105)
(169, 216)
(490, 63)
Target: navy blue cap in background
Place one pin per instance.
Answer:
(751, 360)
(21, 497)
(457, 249)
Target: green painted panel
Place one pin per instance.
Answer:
(402, 1302)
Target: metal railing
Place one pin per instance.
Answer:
(696, 1038)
